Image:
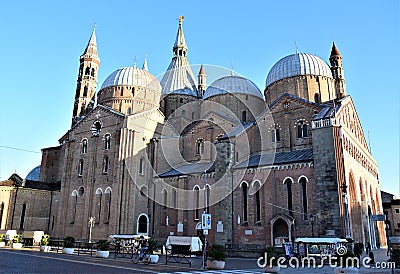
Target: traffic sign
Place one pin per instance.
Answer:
(205, 221)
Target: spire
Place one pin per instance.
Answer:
(201, 80)
(145, 64)
(180, 48)
(91, 48)
(334, 50)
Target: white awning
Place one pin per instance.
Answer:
(321, 240)
(194, 242)
(128, 236)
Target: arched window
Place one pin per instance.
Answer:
(257, 188)
(142, 225)
(85, 90)
(93, 72)
(141, 167)
(107, 205)
(107, 141)
(303, 182)
(288, 183)
(276, 134)
(97, 215)
(21, 224)
(1, 214)
(305, 133)
(174, 198)
(199, 146)
(84, 146)
(165, 197)
(106, 162)
(74, 201)
(316, 98)
(80, 168)
(208, 192)
(245, 200)
(244, 116)
(196, 190)
(128, 111)
(87, 71)
(302, 130)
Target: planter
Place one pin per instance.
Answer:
(271, 269)
(215, 264)
(341, 270)
(17, 245)
(44, 248)
(2, 244)
(67, 250)
(102, 254)
(154, 258)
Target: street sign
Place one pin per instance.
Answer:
(378, 217)
(205, 221)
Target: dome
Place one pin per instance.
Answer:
(34, 174)
(132, 76)
(233, 84)
(298, 64)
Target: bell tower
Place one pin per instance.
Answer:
(337, 71)
(87, 80)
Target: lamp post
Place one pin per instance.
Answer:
(312, 220)
(343, 186)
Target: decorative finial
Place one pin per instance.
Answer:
(145, 63)
(181, 19)
(134, 61)
(232, 70)
(297, 49)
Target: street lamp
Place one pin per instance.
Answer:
(312, 220)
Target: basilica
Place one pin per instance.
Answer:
(148, 155)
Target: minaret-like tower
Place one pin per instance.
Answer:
(87, 80)
(337, 72)
(201, 82)
(178, 84)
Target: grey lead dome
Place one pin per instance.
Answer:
(298, 64)
(232, 84)
(132, 76)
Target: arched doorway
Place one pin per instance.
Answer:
(281, 229)
(143, 225)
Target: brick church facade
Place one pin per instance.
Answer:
(151, 156)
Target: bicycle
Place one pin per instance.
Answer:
(145, 259)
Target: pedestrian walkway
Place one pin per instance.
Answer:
(240, 271)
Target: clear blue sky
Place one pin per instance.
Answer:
(42, 41)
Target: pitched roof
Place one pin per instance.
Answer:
(196, 168)
(266, 159)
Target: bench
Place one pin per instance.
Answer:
(180, 249)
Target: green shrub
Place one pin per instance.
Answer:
(103, 245)
(217, 252)
(69, 242)
(45, 240)
(2, 237)
(152, 245)
(17, 238)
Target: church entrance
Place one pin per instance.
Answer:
(143, 225)
(281, 229)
